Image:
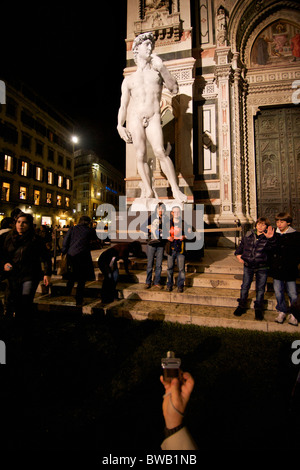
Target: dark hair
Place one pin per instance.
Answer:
(7, 222)
(264, 220)
(135, 248)
(284, 216)
(161, 205)
(15, 212)
(84, 220)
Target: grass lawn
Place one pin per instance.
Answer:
(93, 383)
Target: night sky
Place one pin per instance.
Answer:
(73, 56)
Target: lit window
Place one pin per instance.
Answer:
(67, 202)
(23, 192)
(68, 183)
(5, 192)
(8, 163)
(50, 177)
(37, 195)
(38, 173)
(24, 169)
(49, 198)
(58, 200)
(60, 181)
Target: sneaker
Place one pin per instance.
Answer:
(293, 320)
(281, 317)
(239, 311)
(180, 289)
(147, 286)
(159, 286)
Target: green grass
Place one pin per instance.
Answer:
(93, 383)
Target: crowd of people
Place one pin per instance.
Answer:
(264, 252)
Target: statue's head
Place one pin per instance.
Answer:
(139, 40)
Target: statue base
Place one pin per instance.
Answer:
(149, 204)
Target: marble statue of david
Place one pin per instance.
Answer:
(140, 109)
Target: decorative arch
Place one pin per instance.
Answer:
(248, 16)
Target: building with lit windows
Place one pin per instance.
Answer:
(95, 182)
(36, 158)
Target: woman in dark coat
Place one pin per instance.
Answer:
(77, 245)
(22, 252)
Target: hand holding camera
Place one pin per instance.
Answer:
(178, 388)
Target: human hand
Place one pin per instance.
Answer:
(239, 257)
(47, 280)
(270, 232)
(177, 395)
(7, 267)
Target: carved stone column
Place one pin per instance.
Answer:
(238, 160)
(224, 75)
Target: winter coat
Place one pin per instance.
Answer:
(255, 250)
(157, 229)
(286, 256)
(77, 245)
(25, 254)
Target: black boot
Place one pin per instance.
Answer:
(239, 311)
(259, 314)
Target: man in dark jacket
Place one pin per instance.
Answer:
(253, 252)
(284, 265)
(157, 227)
(77, 245)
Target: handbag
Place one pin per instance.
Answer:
(63, 266)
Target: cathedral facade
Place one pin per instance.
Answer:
(234, 126)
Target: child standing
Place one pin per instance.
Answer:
(284, 267)
(253, 252)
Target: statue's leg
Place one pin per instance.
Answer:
(139, 142)
(155, 136)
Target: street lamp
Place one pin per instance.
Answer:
(74, 139)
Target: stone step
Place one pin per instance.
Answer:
(201, 315)
(205, 279)
(214, 296)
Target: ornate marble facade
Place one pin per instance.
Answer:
(233, 62)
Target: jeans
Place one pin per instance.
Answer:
(79, 290)
(261, 276)
(152, 252)
(20, 298)
(181, 269)
(291, 288)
